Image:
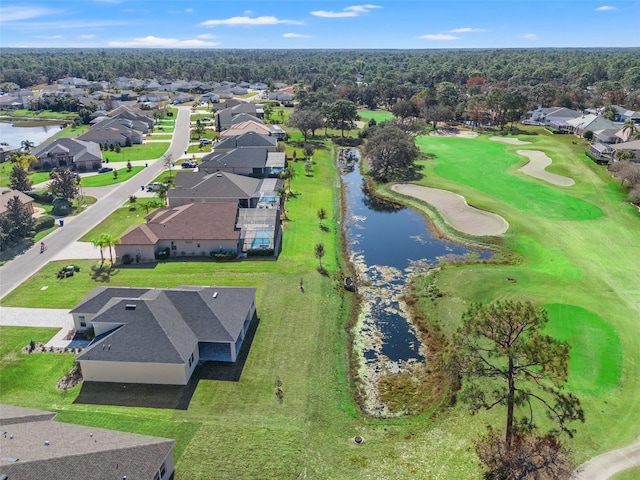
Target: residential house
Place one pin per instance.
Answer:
(241, 128)
(247, 192)
(210, 97)
(186, 230)
(631, 146)
(257, 162)
(258, 86)
(5, 151)
(78, 153)
(622, 114)
(225, 115)
(247, 140)
(158, 336)
(553, 117)
(113, 132)
(74, 81)
(284, 97)
(588, 123)
(7, 194)
(35, 446)
(135, 115)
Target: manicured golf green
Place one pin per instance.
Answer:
(578, 249)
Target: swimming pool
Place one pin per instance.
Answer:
(262, 239)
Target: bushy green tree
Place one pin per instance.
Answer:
(390, 151)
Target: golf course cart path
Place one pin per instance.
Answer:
(538, 161)
(509, 140)
(608, 464)
(455, 210)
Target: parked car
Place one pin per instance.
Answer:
(205, 141)
(105, 170)
(189, 164)
(155, 186)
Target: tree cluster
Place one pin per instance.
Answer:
(629, 174)
(16, 224)
(391, 152)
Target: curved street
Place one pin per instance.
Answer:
(608, 464)
(22, 267)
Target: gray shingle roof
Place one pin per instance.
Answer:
(249, 139)
(75, 451)
(238, 158)
(166, 324)
(221, 185)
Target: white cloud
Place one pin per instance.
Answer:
(467, 30)
(189, 10)
(248, 21)
(157, 42)
(295, 35)
(530, 36)
(439, 36)
(352, 11)
(10, 14)
(605, 8)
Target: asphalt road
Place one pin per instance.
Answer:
(608, 464)
(22, 267)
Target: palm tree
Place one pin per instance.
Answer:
(630, 128)
(109, 240)
(288, 174)
(98, 243)
(27, 145)
(319, 252)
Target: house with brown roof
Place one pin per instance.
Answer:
(158, 336)
(34, 446)
(6, 195)
(194, 229)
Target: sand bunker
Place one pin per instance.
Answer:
(455, 210)
(444, 132)
(538, 161)
(509, 140)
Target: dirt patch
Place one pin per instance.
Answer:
(455, 211)
(538, 161)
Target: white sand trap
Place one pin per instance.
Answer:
(453, 133)
(455, 210)
(509, 140)
(538, 161)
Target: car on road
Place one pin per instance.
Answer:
(105, 170)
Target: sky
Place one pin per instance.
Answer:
(393, 24)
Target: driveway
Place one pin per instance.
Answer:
(40, 317)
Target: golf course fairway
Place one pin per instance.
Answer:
(578, 254)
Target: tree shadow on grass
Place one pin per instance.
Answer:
(176, 397)
(103, 273)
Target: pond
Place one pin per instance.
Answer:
(13, 133)
(387, 243)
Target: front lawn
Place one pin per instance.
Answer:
(145, 151)
(121, 219)
(102, 179)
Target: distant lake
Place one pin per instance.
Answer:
(14, 134)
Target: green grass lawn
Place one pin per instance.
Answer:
(377, 115)
(576, 246)
(631, 474)
(5, 171)
(146, 151)
(107, 178)
(120, 220)
(40, 114)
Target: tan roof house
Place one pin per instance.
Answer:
(35, 446)
(69, 152)
(194, 229)
(7, 194)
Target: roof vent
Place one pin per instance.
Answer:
(130, 306)
(215, 294)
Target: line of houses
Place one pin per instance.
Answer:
(606, 136)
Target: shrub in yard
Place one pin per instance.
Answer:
(223, 255)
(42, 197)
(260, 252)
(127, 259)
(44, 222)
